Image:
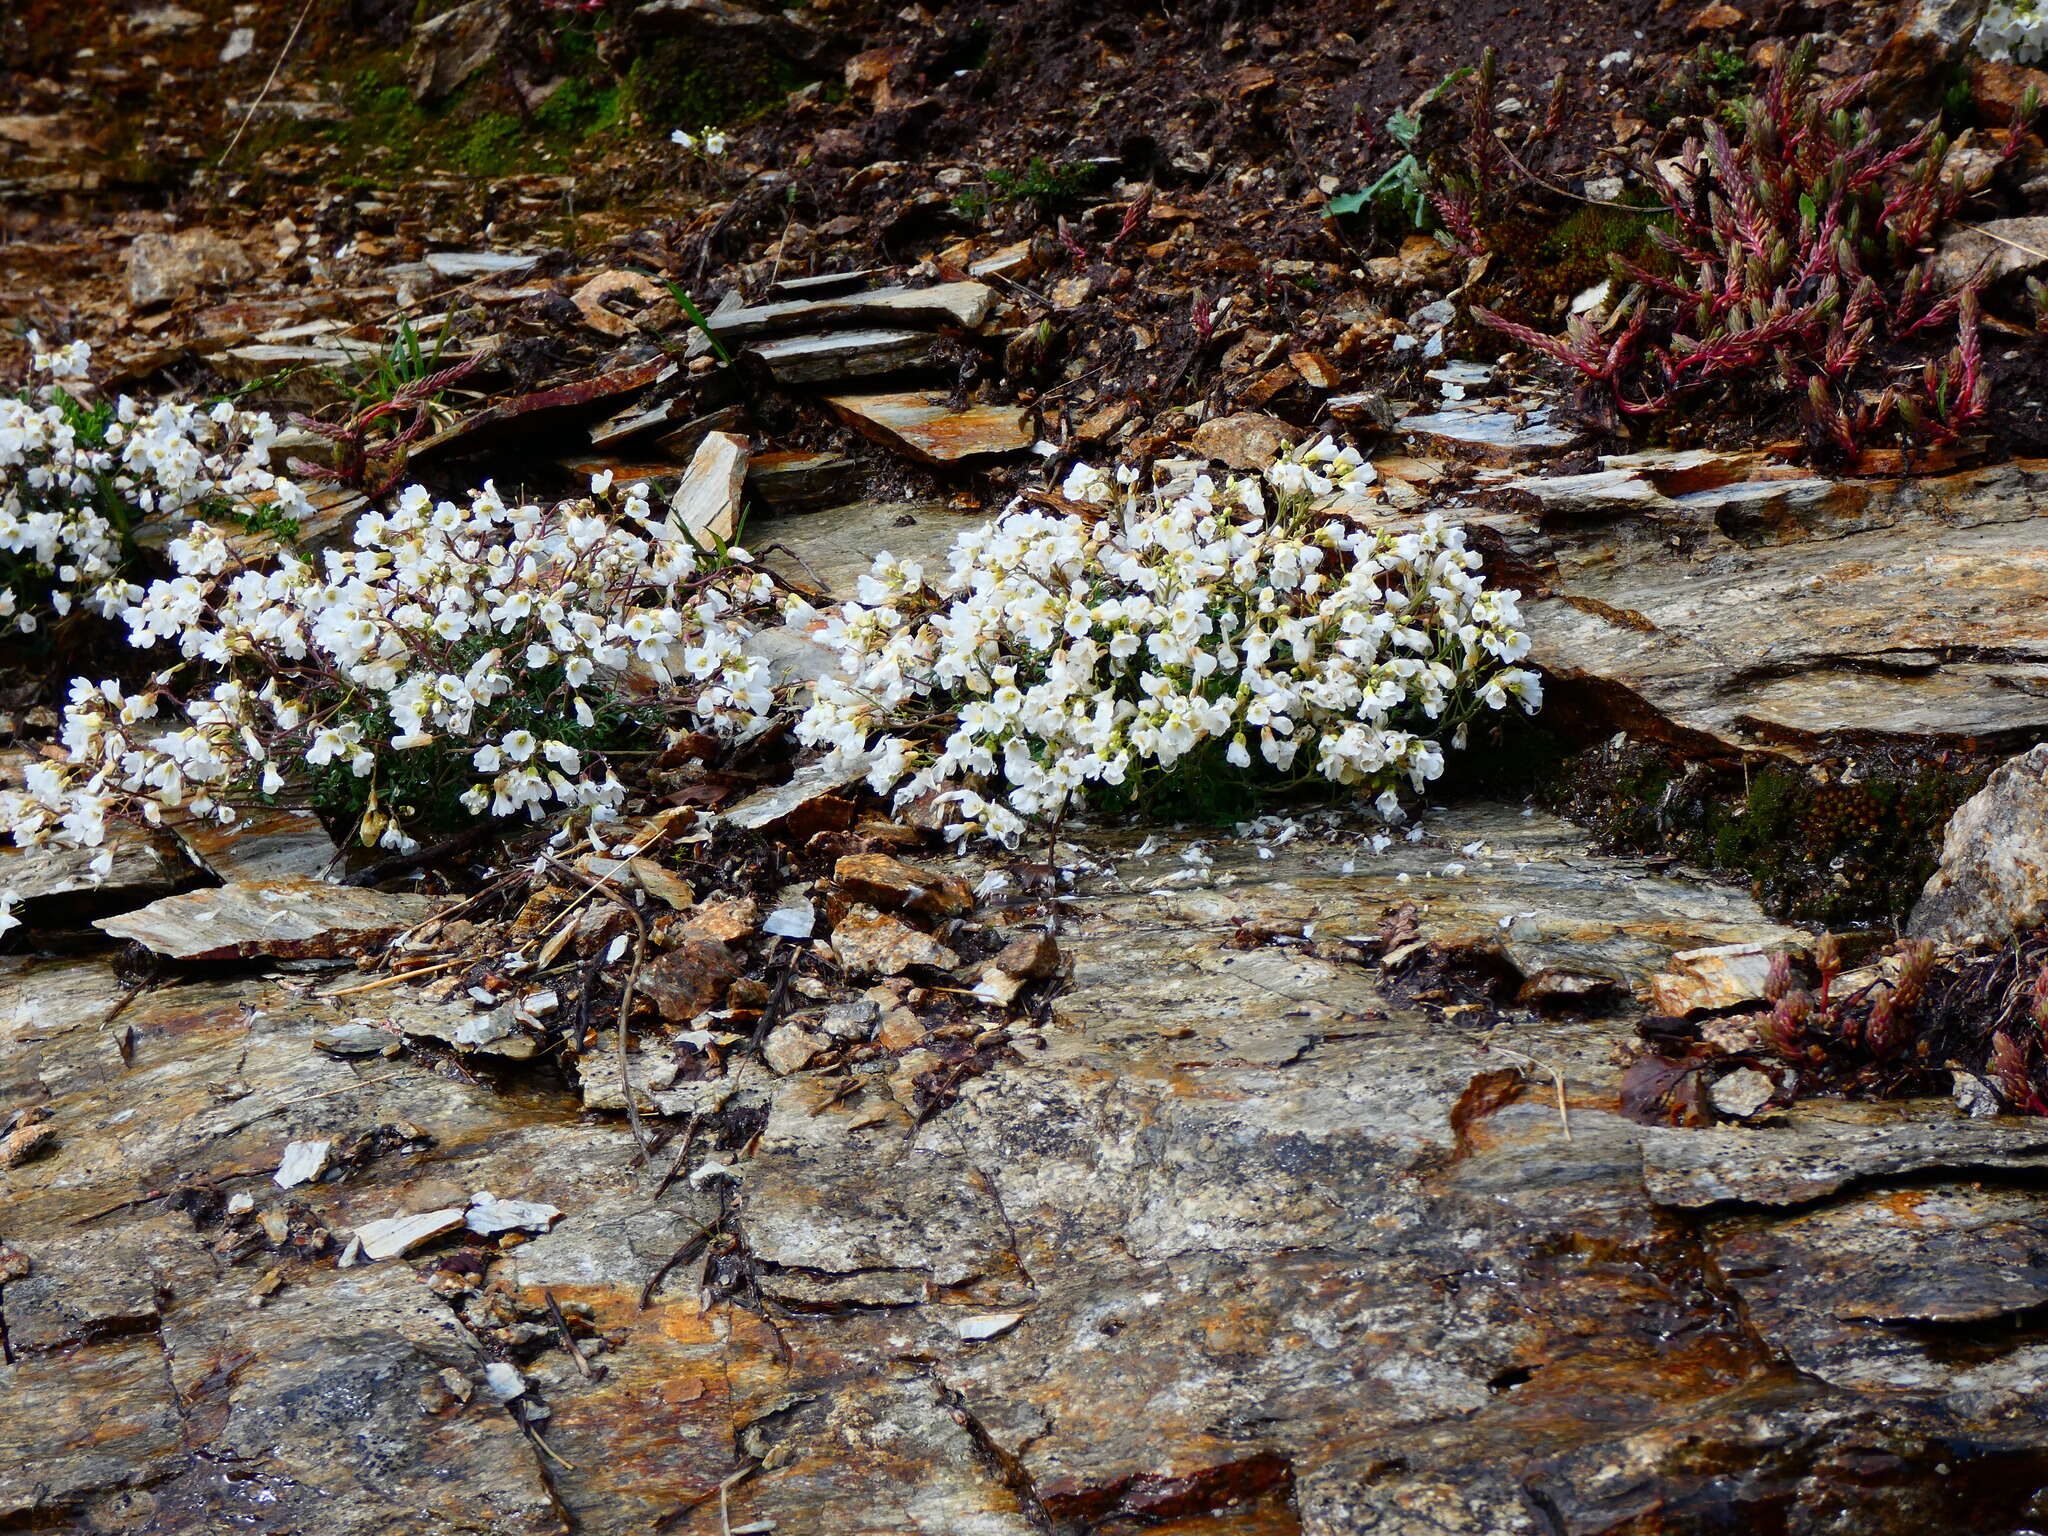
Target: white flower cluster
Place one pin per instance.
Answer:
(73, 481)
(473, 636)
(709, 142)
(2016, 30)
(1100, 651)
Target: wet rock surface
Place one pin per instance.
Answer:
(1251, 1233)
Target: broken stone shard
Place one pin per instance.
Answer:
(1993, 876)
(790, 1048)
(488, 1215)
(293, 919)
(882, 881)
(872, 943)
(1707, 980)
(923, 425)
(706, 506)
(302, 1163)
(165, 268)
(841, 355)
(397, 1235)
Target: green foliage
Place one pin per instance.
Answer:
(1399, 195)
(695, 316)
(1049, 188)
(1816, 848)
(678, 81)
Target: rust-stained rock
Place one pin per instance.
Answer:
(813, 800)
(871, 943)
(882, 881)
(165, 268)
(525, 417)
(690, 979)
(590, 297)
(1247, 442)
(1707, 980)
(282, 919)
(925, 426)
(790, 1048)
(1993, 876)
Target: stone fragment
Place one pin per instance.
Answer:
(811, 801)
(590, 296)
(449, 48)
(1604, 493)
(839, 355)
(1930, 37)
(924, 426)
(850, 1021)
(1708, 980)
(266, 843)
(488, 1215)
(1561, 990)
(987, 1325)
(1246, 442)
(302, 1163)
(690, 979)
(1491, 437)
(1717, 16)
(1996, 248)
(727, 919)
(900, 1030)
(662, 883)
(280, 919)
(54, 885)
(706, 506)
(1741, 1094)
(354, 1039)
(397, 1235)
(1033, 955)
(964, 305)
(1820, 1146)
(882, 881)
(165, 268)
(31, 1135)
(1993, 875)
(871, 943)
(462, 266)
(790, 1048)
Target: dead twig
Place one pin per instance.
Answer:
(682, 1255)
(250, 116)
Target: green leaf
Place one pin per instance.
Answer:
(1346, 204)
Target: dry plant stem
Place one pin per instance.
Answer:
(391, 980)
(612, 893)
(1564, 1114)
(250, 116)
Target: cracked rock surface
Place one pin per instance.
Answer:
(1237, 1250)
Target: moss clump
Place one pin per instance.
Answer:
(1823, 844)
(675, 82)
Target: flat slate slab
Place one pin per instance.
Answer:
(291, 919)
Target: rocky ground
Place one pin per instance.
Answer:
(1247, 1179)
